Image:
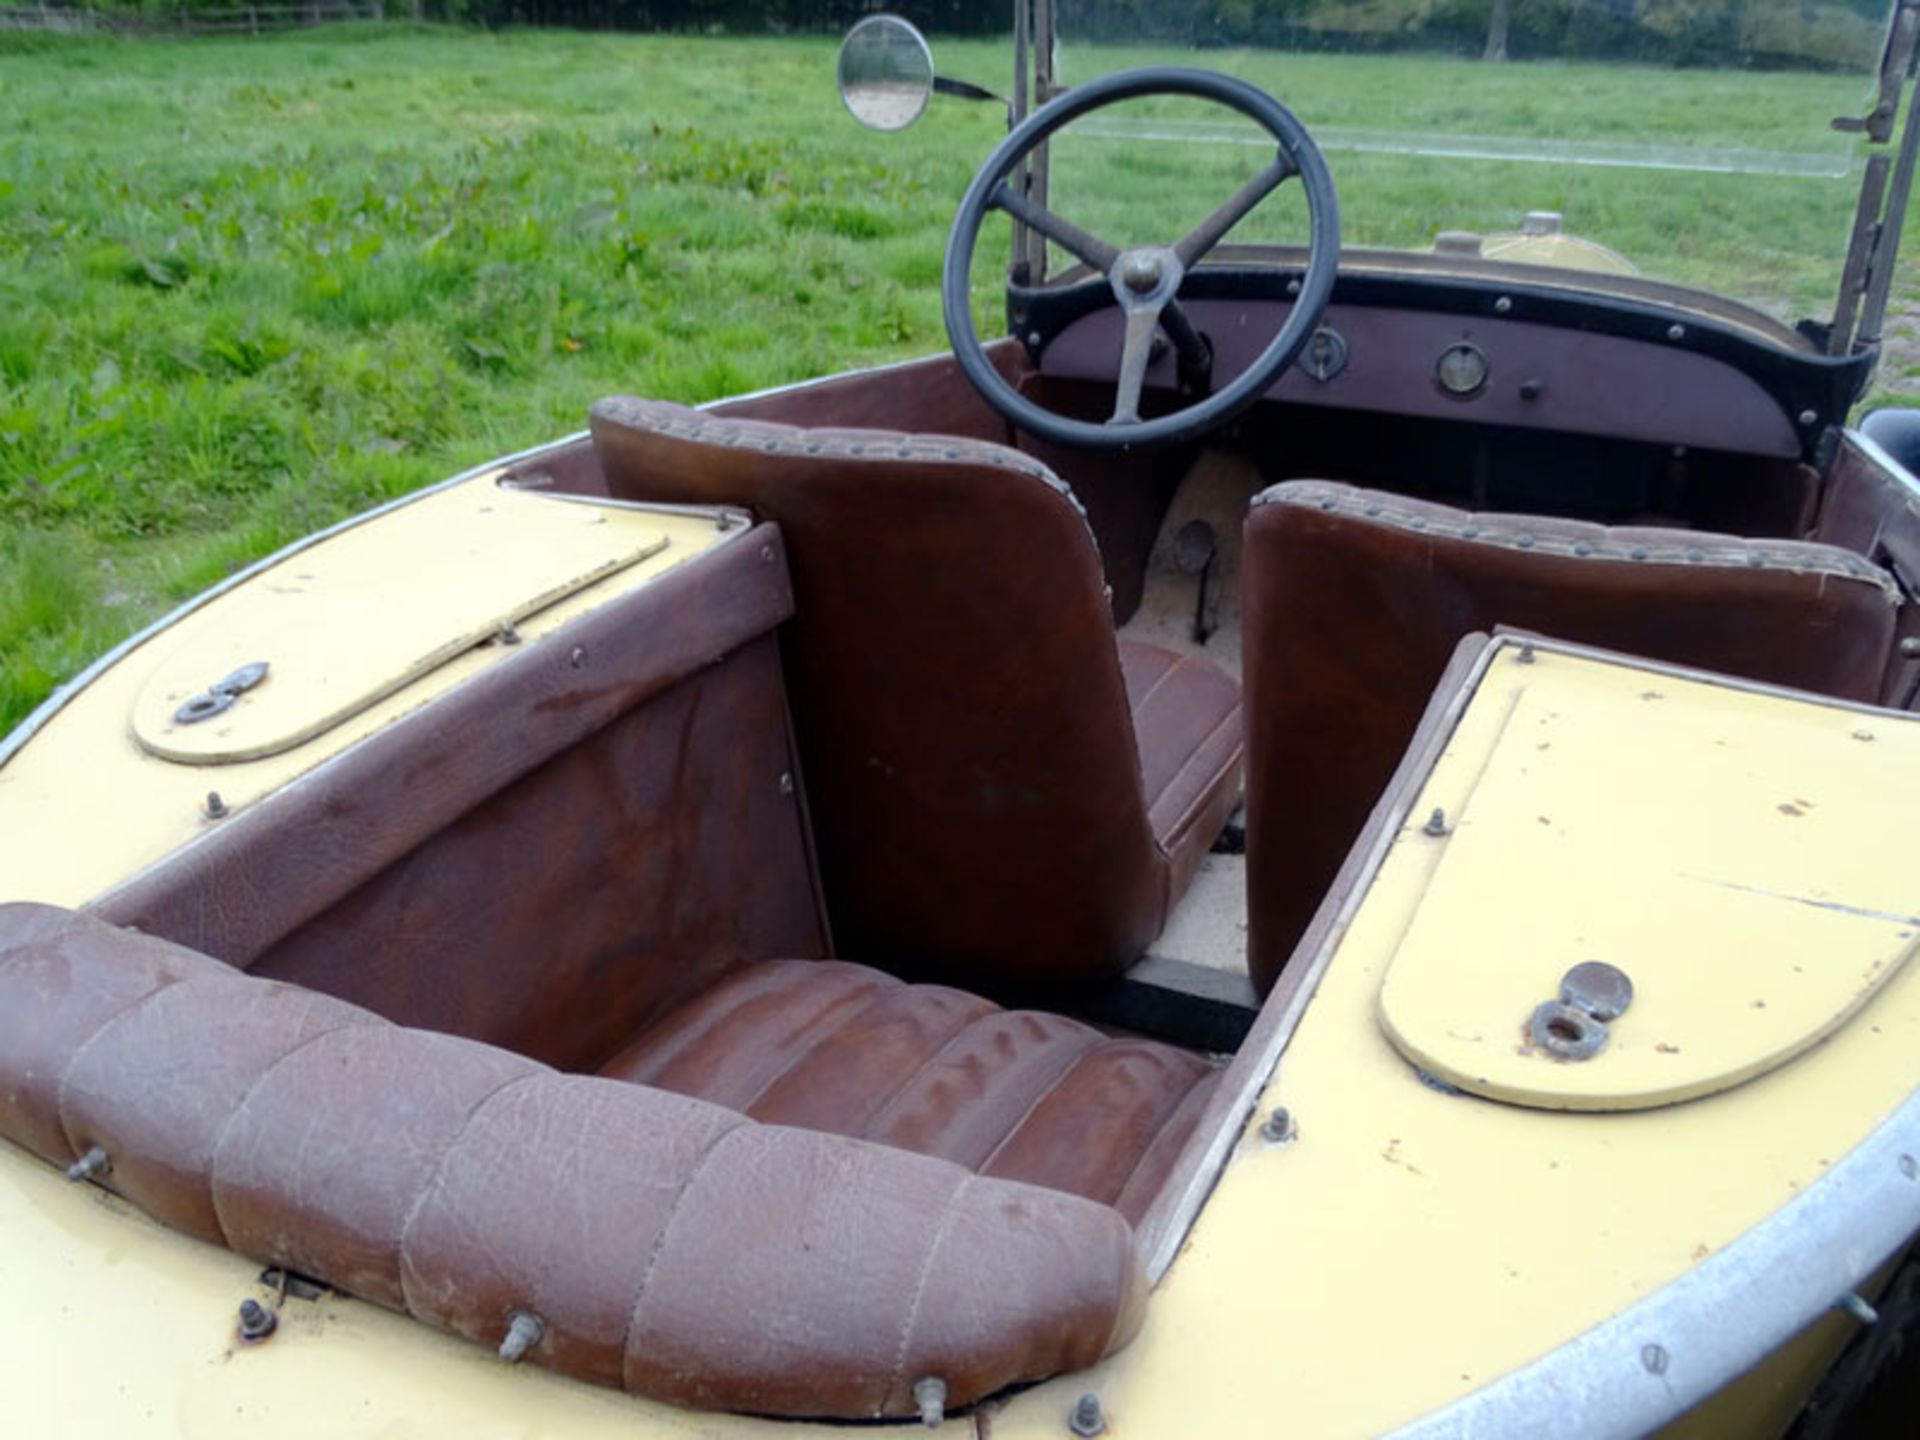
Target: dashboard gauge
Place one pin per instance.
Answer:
(1461, 370)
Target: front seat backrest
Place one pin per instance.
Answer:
(1353, 600)
(969, 758)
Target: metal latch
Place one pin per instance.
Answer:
(220, 695)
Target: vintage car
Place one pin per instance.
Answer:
(1313, 842)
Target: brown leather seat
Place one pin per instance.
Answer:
(665, 1245)
(985, 797)
(1011, 1094)
(1353, 600)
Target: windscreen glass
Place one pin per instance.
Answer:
(1686, 140)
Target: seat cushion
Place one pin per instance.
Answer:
(1186, 720)
(1015, 1094)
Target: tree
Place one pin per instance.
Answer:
(1497, 28)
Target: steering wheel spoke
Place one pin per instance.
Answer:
(1064, 233)
(1145, 279)
(1212, 230)
(1135, 351)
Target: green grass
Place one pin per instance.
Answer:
(249, 286)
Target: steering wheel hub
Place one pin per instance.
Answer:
(1140, 271)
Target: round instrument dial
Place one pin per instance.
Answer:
(1461, 370)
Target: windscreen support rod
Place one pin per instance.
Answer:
(1868, 275)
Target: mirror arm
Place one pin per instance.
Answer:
(964, 90)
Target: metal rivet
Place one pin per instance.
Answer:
(524, 1331)
(1523, 540)
(1855, 1305)
(93, 1163)
(1639, 552)
(1676, 332)
(1293, 287)
(1033, 338)
(1910, 648)
(1526, 655)
(930, 1395)
(1531, 389)
(1808, 417)
(1470, 532)
(1694, 557)
(1436, 823)
(1910, 1167)
(1279, 1126)
(256, 1321)
(215, 808)
(507, 635)
(1086, 1419)
(1502, 305)
(1583, 549)
(578, 657)
(1654, 1357)
(1863, 734)
(786, 782)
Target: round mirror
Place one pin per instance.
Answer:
(886, 72)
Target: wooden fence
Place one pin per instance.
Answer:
(227, 20)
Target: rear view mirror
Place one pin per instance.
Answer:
(885, 72)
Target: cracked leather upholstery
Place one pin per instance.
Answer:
(1353, 601)
(982, 799)
(668, 1245)
(1021, 1095)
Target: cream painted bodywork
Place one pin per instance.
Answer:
(1406, 1248)
(1788, 933)
(1411, 1246)
(85, 806)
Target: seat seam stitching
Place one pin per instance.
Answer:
(698, 1169)
(866, 1130)
(226, 1126)
(79, 1051)
(794, 1064)
(1154, 689)
(433, 1177)
(700, 1033)
(1190, 813)
(1073, 1063)
(967, 1177)
(1146, 1149)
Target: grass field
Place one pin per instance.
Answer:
(249, 286)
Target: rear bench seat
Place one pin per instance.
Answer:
(671, 1246)
(1355, 599)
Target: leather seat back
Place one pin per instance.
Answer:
(963, 723)
(1354, 600)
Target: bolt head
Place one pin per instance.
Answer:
(1910, 648)
(256, 1321)
(1140, 272)
(1087, 1420)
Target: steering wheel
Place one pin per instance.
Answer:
(1146, 278)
